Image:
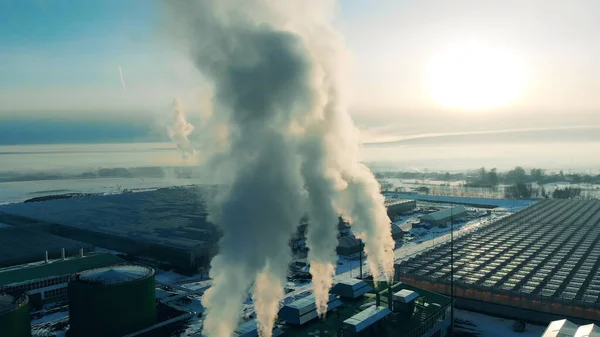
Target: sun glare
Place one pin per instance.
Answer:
(474, 76)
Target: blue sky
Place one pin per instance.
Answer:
(61, 58)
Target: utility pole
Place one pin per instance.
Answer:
(452, 269)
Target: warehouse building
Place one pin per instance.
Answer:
(167, 224)
(399, 311)
(399, 207)
(111, 301)
(444, 216)
(539, 264)
(45, 282)
(23, 245)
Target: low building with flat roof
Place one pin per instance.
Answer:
(397, 207)
(444, 216)
(47, 281)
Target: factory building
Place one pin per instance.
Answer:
(23, 245)
(399, 207)
(14, 316)
(47, 281)
(539, 264)
(399, 311)
(168, 225)
(444, 216)
(111, 301)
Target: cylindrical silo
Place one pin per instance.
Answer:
(111, 301)
(14, 316)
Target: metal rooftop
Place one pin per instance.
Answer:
(305, 309)
(41, 270)
(174, 217)
(547, 250)
(23, 245)
(351, 288)
(366, 318)
(566, 328)
(115, 274)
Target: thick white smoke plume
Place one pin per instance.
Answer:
(277, 69)
(180, 129)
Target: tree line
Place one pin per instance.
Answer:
(517, 183)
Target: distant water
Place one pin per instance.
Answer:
(53, 161)
(75, 159)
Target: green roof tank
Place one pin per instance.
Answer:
(111, 301)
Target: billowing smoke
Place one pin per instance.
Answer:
(180, 129)
(277, 73)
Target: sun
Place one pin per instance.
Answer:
(475, 76)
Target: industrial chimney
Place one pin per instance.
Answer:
(62, 253)
(81, 252)
(46, 257)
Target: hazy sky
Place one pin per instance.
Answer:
(60, 59)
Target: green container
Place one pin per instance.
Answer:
(112, 301)
(14, 316)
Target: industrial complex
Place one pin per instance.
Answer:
(166, 224)
(362, 309)
(539, 263)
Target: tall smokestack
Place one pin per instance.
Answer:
(62, 254)
(46, 259)
(81, 252)
(277, 68)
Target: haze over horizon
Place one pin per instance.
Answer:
(60, 82)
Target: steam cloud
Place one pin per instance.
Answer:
(181, 129)
(277, 69)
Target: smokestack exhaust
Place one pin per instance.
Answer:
(279, 93)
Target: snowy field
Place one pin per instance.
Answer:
(473, 324)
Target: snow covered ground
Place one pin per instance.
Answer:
(50, 318)
(473, 324)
